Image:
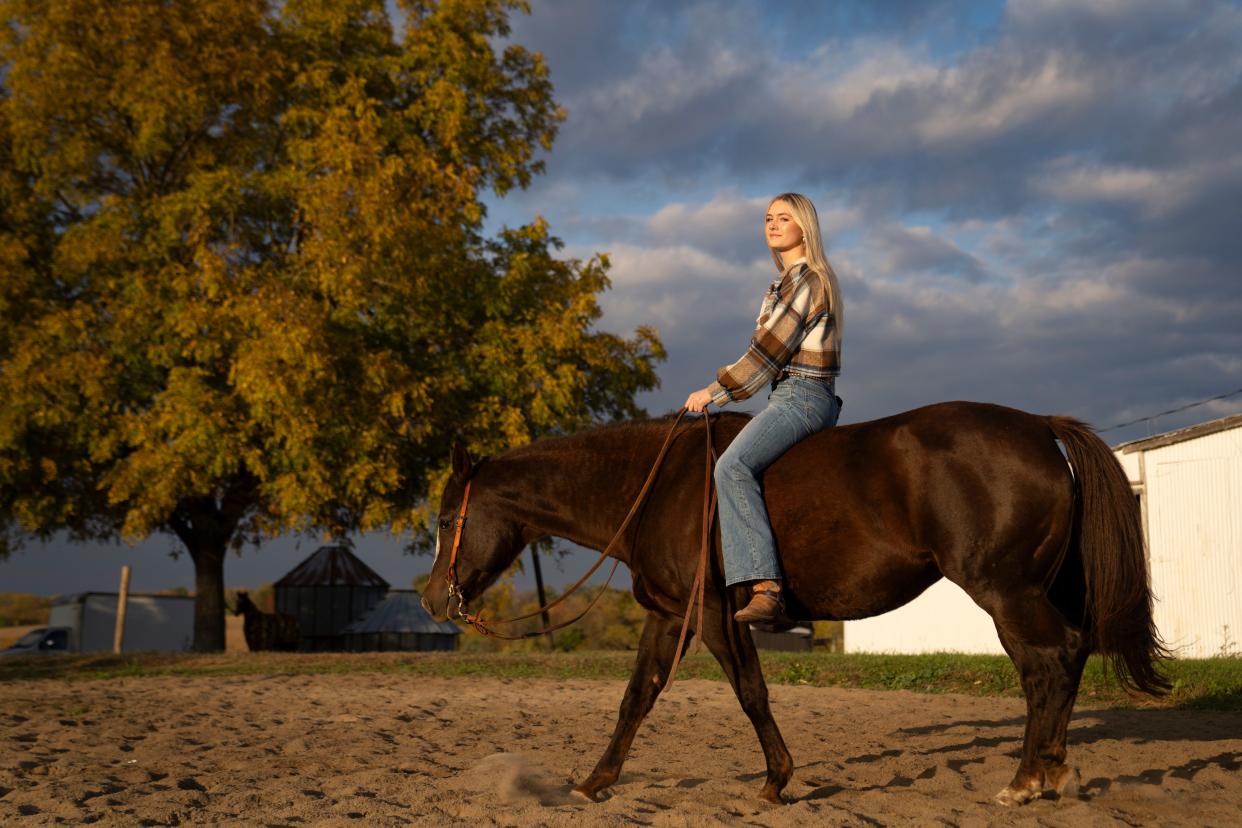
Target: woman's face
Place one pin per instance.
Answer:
(782, 232)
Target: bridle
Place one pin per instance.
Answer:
(454, 588)
(455, 593)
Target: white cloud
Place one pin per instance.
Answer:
(1156, 191)
(678, 288)
(895, 97)
(985, 99)
(904, 251)
(634, 265)
(849, 75)
(665, 81)
(725, 216)
(1026, 14)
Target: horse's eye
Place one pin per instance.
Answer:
(445, 523)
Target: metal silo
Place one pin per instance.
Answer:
(325, 593)
(400, 623)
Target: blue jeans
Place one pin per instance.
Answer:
(797, 407)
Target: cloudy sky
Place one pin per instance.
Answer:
(1036, 203)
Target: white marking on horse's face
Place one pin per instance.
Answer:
(436, 559)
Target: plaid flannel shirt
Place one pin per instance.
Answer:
(796, 331)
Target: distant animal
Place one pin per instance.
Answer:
(866, 517)
(266, 630)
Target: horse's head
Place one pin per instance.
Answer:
(242, 603)
(490, 538)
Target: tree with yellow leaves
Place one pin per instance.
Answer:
(244, 287)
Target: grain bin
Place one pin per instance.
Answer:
(325, 593)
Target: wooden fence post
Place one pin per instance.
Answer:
(118, 639)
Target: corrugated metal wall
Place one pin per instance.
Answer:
(322, 612)
(1194, 520)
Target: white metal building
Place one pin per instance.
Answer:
(152, 622)
(1189, 484)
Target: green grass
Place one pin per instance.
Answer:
(1210, 684)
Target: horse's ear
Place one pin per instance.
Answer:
(462, 464)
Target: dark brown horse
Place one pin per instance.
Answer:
(866, 517)
(266, 630)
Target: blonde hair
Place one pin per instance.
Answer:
(807, 219)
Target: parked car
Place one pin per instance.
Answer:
(40, 641)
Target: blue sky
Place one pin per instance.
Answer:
(1036, 203)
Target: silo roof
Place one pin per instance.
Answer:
(332, 566)
(400, 612)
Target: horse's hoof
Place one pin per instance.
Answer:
(773, 795)
(1064, 780)
(1011, 796)
(584, 794)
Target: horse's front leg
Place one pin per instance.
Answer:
(733, 647)
(655, 656)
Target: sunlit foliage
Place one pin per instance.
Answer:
(244, 285)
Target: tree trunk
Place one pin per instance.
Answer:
(208, 597)
(205, 526)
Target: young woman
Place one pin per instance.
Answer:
(796, 348)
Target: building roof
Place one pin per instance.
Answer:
(400, 612)
(1181, 435)
(80, 597)
(332, 566)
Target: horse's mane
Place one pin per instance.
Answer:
(634, 427)
(626, 426)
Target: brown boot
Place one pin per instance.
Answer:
(766, 604)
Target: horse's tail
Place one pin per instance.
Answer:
(1114, 561)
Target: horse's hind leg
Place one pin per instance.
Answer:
(1049, 655)
(732, 645)
(655, 656)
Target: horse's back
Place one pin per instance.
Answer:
(869, 515)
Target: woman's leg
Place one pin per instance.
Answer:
(794, 411)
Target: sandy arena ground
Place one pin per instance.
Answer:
(382, 749)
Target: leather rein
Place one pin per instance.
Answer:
(697, 589)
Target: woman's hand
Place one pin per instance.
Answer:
(698, 400)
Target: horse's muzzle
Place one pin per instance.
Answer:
(437, 609)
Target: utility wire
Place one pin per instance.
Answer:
(1171, 411)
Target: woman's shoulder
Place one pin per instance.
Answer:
(803, 274)
(795, 275)
(814, 285)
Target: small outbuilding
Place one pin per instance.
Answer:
(152, 622)
(325, 593)
(399, 623)
(1189, 485)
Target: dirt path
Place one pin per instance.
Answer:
(388, 750)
